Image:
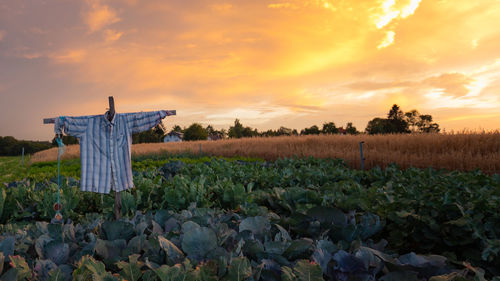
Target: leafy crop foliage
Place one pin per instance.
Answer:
(223, 219)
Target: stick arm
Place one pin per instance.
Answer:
(53, 120)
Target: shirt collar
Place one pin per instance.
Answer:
(105, 117)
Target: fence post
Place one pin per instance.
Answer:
(361, 154)
(200, 148)
(22, 158)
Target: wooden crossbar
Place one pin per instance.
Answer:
(53, 120)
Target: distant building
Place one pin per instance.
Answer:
(215, 136)
(173, 137)
(342, 131)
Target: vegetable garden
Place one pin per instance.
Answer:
(247, 219)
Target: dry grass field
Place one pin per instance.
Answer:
(459, 151)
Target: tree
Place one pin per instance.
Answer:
(9, 146)
(411, 118)
(313, 130)
(378, 126)
(238, 131)
(210, 130)
(397, 122)
(152, 135)
(195, 132)
(177, 129)
(395, 113)
(223, 133)
(283, 131)
(425, 124)
(329, 128)
(350, 129)
(421, 122)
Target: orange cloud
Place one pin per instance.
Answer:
(69, 56)
(392, 9)
(454, 84)
(282, 5)
(388, 40)
(112, 35)
(222, 7)
(99, 16)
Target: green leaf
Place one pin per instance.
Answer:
(20, 264)
(114, 230)
(239, 269)
(2, 260)
(287, 274)
(131, 271)
(169, 273)
(174, 254)
(322, 257)
(283, 234)
(328, 215)
(382, 256)
(129, 206)
(110, 249)
(198, 242)
(276, 247)
(43, 268)
(298, 248)
(135, 245)
(208, 271)
(189, 226)
(90, 269)
(257, 225)
(56, 275)
(307, 271)
(56, 251)
(55, 230)
(2, 202)
(369, 225)
(400, 275)
(446, 277)
(10, 275)
(7, 247)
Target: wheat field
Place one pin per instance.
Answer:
(458, 151)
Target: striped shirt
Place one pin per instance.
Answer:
(105, 146)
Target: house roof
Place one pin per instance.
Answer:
(174, 133)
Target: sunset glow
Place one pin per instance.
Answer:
(268, 63)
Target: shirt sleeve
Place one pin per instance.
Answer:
(72, 126)
(143, 121)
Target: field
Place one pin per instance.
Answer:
(460, 151)
(208, 218)
(11, 170)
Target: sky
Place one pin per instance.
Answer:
(269, 63)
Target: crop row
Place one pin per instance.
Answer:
(425, 211)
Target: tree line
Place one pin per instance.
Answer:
(9, 146)
(397, 122)
(197, 132)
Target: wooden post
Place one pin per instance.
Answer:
(118, 205)
(361, 154)
(111, 108)
(118, 197)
